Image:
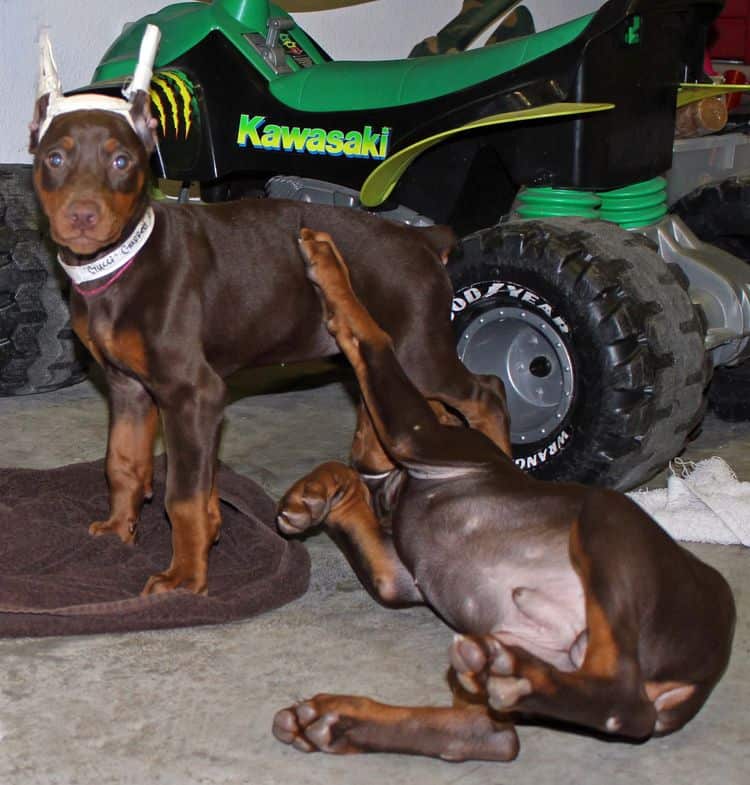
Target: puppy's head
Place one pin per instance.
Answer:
(91, 172)
(91, 154)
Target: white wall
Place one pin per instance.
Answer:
(387, 29)
(81, 30)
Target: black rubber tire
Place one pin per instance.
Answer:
(634, 338)
(729, 393)
(38, 350)
(719, 213)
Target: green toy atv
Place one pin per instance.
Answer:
(601, 312)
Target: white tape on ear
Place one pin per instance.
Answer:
(86, 102)
(49, 79)
(145, 68)
(49, 84)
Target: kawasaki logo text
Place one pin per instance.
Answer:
(314, 141)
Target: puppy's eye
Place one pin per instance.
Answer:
(55, 159)
(121, 162)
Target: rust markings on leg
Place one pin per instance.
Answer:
(195, 527)
(130, 464)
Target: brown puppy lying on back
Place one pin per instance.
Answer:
(573, 604)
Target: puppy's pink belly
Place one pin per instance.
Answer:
(540, 609)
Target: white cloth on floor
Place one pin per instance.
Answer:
(703, 502)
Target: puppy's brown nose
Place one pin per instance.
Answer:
(83, 214)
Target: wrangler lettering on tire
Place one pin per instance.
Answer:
(595, 339)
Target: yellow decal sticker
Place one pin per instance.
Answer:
(173, 99)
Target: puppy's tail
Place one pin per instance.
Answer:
(442, 239)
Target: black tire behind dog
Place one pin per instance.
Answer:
(719, 213)
(599, 308)
(729, 393)
(38, 351)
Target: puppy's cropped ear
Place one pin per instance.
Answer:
(137, 91)
(145, 124)
(49, 88)
(40, 113)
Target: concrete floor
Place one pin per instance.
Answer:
(195, 706)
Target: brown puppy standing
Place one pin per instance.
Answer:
(170, 299)
(573, 604)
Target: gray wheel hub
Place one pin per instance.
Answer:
(534, 364)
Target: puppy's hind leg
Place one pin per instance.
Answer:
(346, 724)
(405, 423)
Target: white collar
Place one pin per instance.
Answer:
(115, 260)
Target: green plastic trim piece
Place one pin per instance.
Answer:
(382, 180)
(635, 205)
(633, 32)
(350, 86)
(689, 92)
(185, 25)
(253, 14)
(558, 202)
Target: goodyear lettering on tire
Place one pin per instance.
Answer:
(489, 289)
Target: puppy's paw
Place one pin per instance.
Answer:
(321, 724)
(304, 505)
(485, 667)
(325, 267)
(317, 249)
(124, 529)
(191, 580)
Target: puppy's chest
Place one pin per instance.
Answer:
(123, 347)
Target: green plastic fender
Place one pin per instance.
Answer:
(329, 86)
(185, 25)
(359, 85)
(382, 180)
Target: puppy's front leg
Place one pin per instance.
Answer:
(192, 423)
(335, 495)
(133, 421)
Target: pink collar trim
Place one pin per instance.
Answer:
(104, 286)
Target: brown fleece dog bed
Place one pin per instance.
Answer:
(55, 579)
